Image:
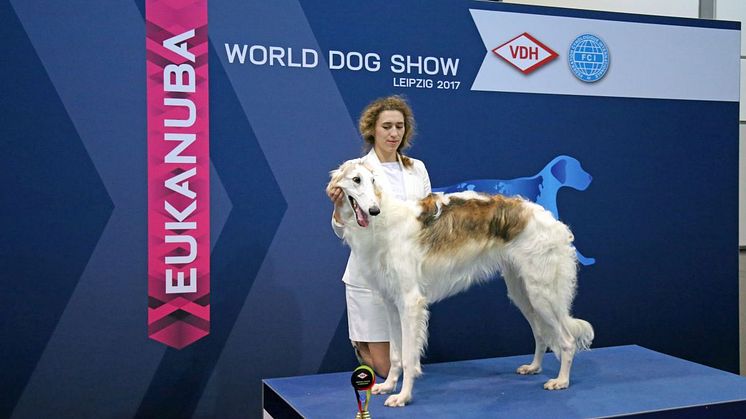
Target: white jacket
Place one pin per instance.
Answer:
(416, 186)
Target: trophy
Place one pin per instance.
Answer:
(363, 379)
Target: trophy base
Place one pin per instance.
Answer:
(362, 415)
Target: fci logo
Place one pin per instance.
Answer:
(525, 53)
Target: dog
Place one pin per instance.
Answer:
(562, 171)
(417, 253)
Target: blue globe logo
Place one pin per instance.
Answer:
(589, 58)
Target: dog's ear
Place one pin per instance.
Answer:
(335, 176)
(559, 170)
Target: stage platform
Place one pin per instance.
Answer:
(606, 382)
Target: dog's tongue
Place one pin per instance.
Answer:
(362, 217)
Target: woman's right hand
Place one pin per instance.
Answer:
(337, 196)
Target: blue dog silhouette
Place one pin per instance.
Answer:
(541, 188)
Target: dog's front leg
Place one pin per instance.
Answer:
(413, 320)
(389, 385)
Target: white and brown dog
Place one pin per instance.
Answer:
(417, 253)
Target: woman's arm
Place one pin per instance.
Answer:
(425, 179)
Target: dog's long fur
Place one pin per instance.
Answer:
(417, 253)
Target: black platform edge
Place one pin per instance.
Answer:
(276, 406)
(735, 409)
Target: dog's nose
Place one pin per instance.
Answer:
(374, 211)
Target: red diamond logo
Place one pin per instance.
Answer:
(525, 53)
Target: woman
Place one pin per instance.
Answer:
(387, 127)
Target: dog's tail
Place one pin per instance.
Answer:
(582, 331)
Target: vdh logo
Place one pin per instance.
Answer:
(525, 53)
(589, 58)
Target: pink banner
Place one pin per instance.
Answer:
(178, 172)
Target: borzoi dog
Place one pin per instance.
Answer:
(422, 252)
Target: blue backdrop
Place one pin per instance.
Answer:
(659, 217)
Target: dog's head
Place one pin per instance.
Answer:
(361, 193)
(568, 171)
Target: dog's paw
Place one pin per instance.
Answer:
(397, 400)
(383, 388)
(556, 384)
(528, 369)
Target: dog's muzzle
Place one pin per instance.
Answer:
(360, 214)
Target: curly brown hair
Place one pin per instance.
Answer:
(369, 117)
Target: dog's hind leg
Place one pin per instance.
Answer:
(414, 317)
(559, 338)
(549, 276)
(567, 354)
(389, 385)
(577, 335)
(517, 294)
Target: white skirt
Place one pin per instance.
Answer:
(367, 320)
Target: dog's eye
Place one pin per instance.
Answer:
(356, 179)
